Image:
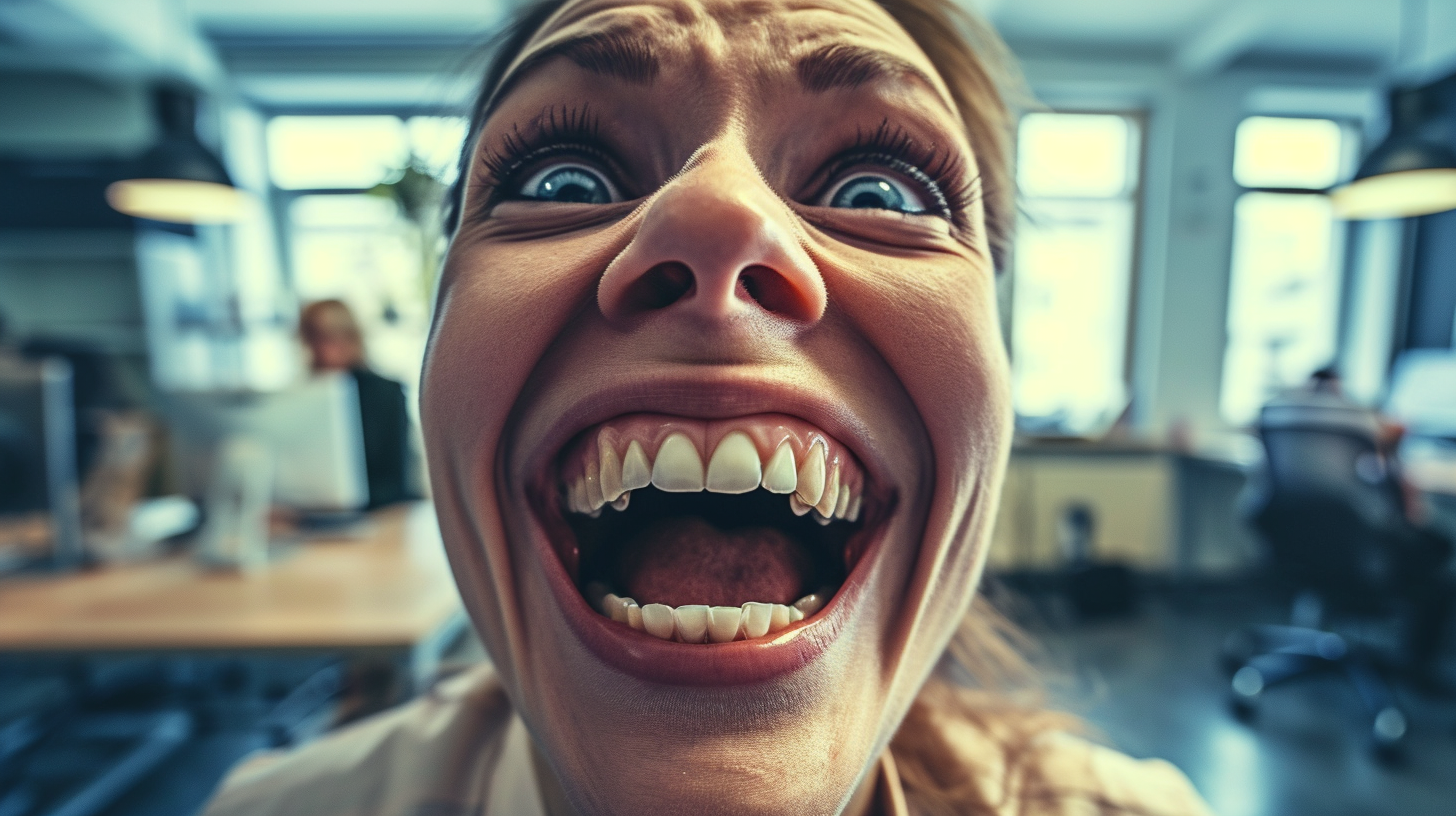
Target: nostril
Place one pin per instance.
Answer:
(776, 293)
(662, 286)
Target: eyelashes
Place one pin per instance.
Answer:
(575, 132)
(940, 174)
(557, 131)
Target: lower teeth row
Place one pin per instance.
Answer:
(695, 623)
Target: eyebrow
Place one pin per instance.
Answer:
(621, 53)
(841, 65)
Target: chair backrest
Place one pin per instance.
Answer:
(1326, 503)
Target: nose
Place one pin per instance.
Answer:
(714, 245)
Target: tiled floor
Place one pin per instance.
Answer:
(1153, 686)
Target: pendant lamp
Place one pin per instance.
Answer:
(1406, 175)
(178, 179)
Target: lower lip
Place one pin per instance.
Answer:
(706, 664)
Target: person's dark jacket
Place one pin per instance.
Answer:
(385, 421)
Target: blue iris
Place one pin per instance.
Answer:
(872, 193)
(574, 185)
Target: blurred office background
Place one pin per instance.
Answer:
(1188, 253)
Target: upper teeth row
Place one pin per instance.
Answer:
(733, 468)
(696, 623)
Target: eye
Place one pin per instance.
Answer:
(875, 191)
(570, 183)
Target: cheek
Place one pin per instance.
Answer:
(500, 307)
(937, 327)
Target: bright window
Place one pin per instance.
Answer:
(1077, 174)
(1270, 151)
(350, 232)
(1284, 286)
(358, 152)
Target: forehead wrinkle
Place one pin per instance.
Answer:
(726, 43)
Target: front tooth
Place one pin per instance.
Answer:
(841, 507)
(634, 616)
(734, 467)
(610, 472)
(822, 521)
(809, 604)
(723, 623)
(636, 470)
(826, 503)
(811, 474)
(797, 505)
(622, 501)
(756, 618)
(657, 620)
(853, 513)
(678, 468)
(779, 619)
(780, 476)
(795, 614)
(692, 622)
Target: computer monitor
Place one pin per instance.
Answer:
(1423, 392)
(311, 429)
(38, 455)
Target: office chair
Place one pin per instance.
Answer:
(1331, 522)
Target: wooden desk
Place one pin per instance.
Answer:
(387, 592)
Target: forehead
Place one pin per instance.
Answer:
(763, 36)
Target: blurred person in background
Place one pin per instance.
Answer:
(335, 343)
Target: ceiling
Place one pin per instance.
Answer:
(361, 54)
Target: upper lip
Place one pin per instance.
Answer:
(722, 394)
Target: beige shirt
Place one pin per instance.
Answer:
(460, 750)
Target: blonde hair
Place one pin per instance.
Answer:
(1002, 702)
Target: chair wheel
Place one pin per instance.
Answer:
(1389, 727)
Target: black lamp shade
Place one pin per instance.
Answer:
(178, 179)
(1405, 175)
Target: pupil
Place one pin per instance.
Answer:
(573, 193)
(868, 200)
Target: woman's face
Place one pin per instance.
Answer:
(726, 259)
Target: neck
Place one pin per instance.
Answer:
(554, 797)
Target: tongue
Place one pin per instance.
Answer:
(681, 561)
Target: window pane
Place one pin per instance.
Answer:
(436, 141)
(1283, 298)
(1279, 152)
(318, 152)
(1069, 320)
(1074, 155)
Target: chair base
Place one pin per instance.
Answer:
(1274, 655)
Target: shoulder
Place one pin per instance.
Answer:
(1068, 775)
(1033, 768)
(433, 754)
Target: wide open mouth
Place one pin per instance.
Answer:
(700, 531)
